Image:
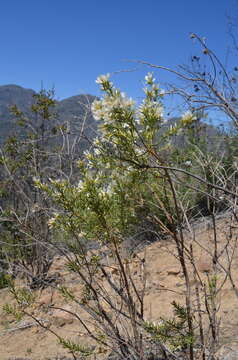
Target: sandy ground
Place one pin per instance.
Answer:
(165, 283)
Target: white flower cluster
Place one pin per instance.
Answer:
(188, 117)
(104, 109)
(149, 79)
(188, 163)
(113, 101)
(97, 110)
(80, 185)
(151, 108)
(102, 79)
(152, 89)
(96, 141)
(139, 151)
(52, 221)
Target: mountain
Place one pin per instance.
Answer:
(73, 111)
(12, 95)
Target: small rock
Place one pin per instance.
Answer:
(61, 317)
(173, 271)
(204, 265)
(45, 299)
(35, 330)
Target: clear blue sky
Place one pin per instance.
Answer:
(67, 44)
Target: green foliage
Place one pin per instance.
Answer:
(24, 299)
(14, 311)
(76, 348)
(24, 229)
(65, 292)
(23, 296)
(120, 180)
(4, 280)
(172, 332)
(212, 290)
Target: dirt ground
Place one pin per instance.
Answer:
(165, 282)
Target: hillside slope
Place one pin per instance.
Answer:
(72, 111)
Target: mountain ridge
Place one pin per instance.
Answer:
(73, 109)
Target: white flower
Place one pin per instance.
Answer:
(119, 100)
(52, 221)
(102, 79)
(151, 109)
(155, 87)
(96, 141)
(129, 102)
(81, 234)
(188, 163)
(80, 184)
(105, 109)
(159, 110)
(86, 153)
(149, 78)
(109, 189)
(139, 151)
(102, 193)
(55, 181)
(35, 179)
(97, 151)
(188, 117)
(97, 109)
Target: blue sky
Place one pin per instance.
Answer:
(67, 44)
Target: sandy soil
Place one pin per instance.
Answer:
(165, 283)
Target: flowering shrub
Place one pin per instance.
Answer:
(120, 178)
(133, 180)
